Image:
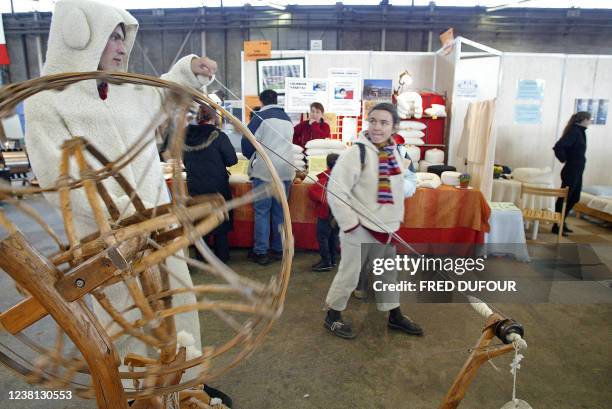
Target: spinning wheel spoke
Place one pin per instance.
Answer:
(137, 252)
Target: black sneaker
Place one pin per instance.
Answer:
(406, 325)
(555, 230)
(216, 393)
(567, 229)
(277, 255)
(339, 328)
(261, 259)
(322, 266)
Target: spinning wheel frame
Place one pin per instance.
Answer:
(132, 232)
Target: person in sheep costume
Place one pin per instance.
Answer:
(87, 36)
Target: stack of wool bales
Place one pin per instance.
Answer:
(432, 157)
(428, 180)
(410, 104)
(436, 111)
(412, 132)
(299, 159)
(323, 147)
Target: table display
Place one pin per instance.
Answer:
(443, 215)
(507, 236)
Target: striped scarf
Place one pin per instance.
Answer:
(387, 166)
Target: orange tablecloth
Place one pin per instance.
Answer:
(443, 215)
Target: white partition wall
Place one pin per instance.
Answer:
(477, 66)
(566, 77)
(528, 145)
(590, 77)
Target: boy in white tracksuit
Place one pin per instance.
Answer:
(367, 199)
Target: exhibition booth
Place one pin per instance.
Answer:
(496, 108)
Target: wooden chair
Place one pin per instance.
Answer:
(545, 215)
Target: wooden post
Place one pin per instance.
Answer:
(32, 271)
(479, 356)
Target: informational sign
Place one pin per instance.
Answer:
(447, 39)
(254, 50)
(345, 91)
(466, 88)
(598, 108)
(527, 114)
(530, 89)
(377, 90)
(316, 45)
(301, 92)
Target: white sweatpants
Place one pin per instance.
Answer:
(351, 263)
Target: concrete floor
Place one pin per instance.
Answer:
(568, 364)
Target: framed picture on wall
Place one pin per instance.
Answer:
(271, 72)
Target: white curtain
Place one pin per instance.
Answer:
(477, 145)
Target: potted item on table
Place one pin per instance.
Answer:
(464, 180)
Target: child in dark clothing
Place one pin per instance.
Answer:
(327, 228)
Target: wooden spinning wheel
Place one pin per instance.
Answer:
(135, 253)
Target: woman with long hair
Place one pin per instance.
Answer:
(570, 149)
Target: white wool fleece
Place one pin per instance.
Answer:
(79, 32)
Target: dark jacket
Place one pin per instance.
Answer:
(318, 194)
(207, 153)
(571, 148)
(304, 132)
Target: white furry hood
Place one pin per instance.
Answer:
(79, 32)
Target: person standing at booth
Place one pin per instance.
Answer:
(373, 177)
(273, 129)
(570, 149)
(314, 127)
(207, 153)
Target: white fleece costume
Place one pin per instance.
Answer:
(79, 32)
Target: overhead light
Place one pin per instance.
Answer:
(272, 5)
(507, 5)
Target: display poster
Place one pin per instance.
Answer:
(528, 114)
(349, 130)
(598, 108)
(367, 107)
(345, 91)
(254, 50)
(316, 45)
(332, 121)
(377, 90)
(447, 39)
(301, 92)
(530, 89)
(466, 88)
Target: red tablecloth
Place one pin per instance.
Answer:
(443, 215)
